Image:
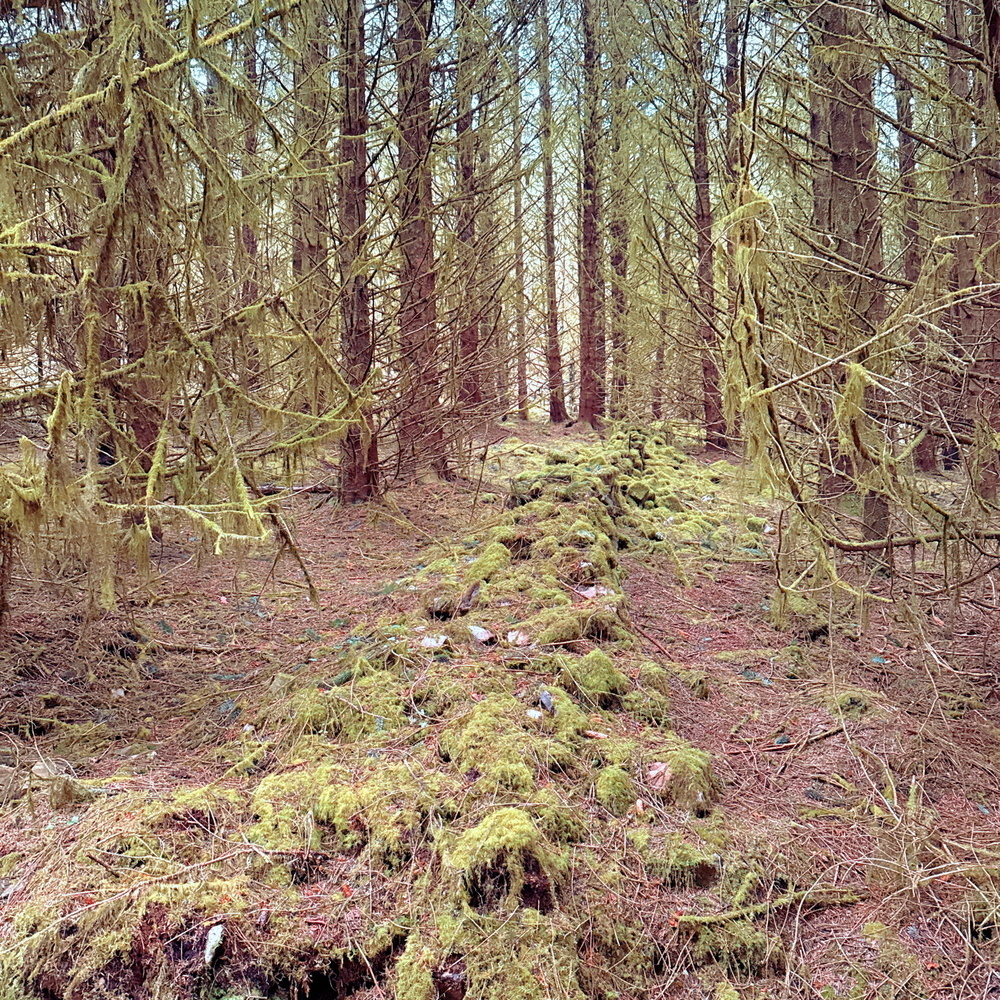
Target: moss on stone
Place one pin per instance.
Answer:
(283, 805)
(499, 742)
(647, 706)
(680, 863)
(654, 678)
(594, 677)
(388, 810)
(739, 947)
(495, 558)
(599, 620)
(850, 703)
(615, 790)
(682, 774)
(415, 971)
(505, 833)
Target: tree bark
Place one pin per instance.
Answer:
(592, 342)
(715, 425)
(618, 240)
(470, 304)
(520, 322)
(359, 450)
(553, 351)
(421, 430)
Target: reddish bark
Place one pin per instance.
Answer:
(359, 451)
(592, 346)
(553, 353)
(421, 430)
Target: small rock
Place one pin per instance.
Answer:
(213, 940)
(48, 769)
(434, 641)
(480, 634)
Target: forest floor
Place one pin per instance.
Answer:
(226, 790)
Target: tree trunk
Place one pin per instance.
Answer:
(421, 430)
(855, 300)
(359, 450)
(520, 323)
(618, 240)
(715, 425)
(469, 307)
(310, 202)
(592, 346)
(553, 352)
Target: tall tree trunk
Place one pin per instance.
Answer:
(592, 344)
(421, 430)
(925, 453)
(856, 299)
(960, 320)
(359, 450)
(618, 238)
(715, 425)
(470, 304)
(310, 202)
(553, 352)
(520, 322)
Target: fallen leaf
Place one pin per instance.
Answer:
(595, 735)
(658, 776)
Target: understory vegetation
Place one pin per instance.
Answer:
(508, 787)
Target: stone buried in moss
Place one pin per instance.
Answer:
(495, 558)
(594, 676)
(615, 790)
(683, 775)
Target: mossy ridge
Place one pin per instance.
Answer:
(441, 796)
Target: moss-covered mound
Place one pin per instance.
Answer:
(487, 801)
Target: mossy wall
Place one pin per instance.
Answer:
(455, 804)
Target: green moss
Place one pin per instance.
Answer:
(415, 971)
(568, 720)
(388, 810)
(284, 804)
(893, 958)
(649, 706)
(501, 743)
(561, 820)
(506, 841)
(506, 832)
(851, 703)
(594, 676)
(654, 678)
(600, 620)
(495, 558)
(680, 863)
(740, 947)
(615, 790)
(9, 862)
(616, 751)
(683, 774)
(367, 706)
